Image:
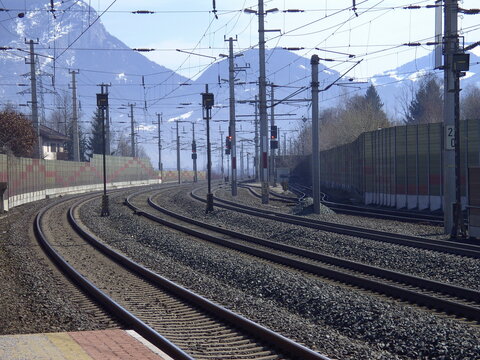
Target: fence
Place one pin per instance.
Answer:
(24, 180)
(400, 166)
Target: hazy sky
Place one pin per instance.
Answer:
(376, 35)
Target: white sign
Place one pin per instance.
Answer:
(449, 137)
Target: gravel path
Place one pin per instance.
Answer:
(34, 296)
(335, 320)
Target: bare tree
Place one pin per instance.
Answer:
(470, 106)
(61, 117)
(142, 153)
(357, 114)
(124, 147)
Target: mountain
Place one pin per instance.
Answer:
(69, 39)
(289, 74)
(392, 84)
(72, 38)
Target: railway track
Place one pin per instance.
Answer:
(355, 210)
(274, 196)
(450, 247)
(369, 211)
(181, 323)
(440, 296)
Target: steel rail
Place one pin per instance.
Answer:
(450, 247)
(395, 291)
(383, 213)
(279, 197)
(279, 341)
(103, 299)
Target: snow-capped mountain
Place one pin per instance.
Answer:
(392, 84)
(73, 38)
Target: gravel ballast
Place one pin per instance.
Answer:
(35, 297)
(338, 321)
(424, 263)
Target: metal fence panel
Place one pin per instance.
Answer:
(423, 167)
(412, 162)
(436, 159)
(369, 163)
(401, 160)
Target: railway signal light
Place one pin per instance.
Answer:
(273, 137)
(273, 132)
(228, 145)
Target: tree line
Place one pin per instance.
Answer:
(18, 136)
(421, 102)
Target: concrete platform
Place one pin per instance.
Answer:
(84, 345)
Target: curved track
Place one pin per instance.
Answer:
(450, 247)
(433, 294)
(181, 323)
(373, 212)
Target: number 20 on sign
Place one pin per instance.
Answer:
(449, 137)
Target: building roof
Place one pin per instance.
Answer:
(50, 134)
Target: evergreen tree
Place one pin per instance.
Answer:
(83, 144)
(427, 105)
(373, 99)
(95, 141)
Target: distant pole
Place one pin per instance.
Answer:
(194, 155)
(102, 103)
(263, 103)
(76, 141)
(232, 125)
(222, 170)
(315, 137)
(38, 153)
(272, 141)
(256, 161)
(160, 165)
(242, 173)
(178, 155)
(132, 129)
(207, 104)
